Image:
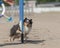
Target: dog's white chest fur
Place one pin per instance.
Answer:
(26, 29)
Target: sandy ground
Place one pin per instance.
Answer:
(45, 32)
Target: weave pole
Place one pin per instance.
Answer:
(21, 18)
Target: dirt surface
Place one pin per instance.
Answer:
(45, 32)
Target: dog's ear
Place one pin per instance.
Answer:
(31, 21)
(25, 18)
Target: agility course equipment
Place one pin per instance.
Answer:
(21, 10)
(3, 7)
(9, 18)
(3, 12)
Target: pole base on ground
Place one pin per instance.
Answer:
(22, 38)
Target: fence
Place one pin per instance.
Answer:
(15, 10)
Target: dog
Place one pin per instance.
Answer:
(15, 31)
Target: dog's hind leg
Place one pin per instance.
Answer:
(13, 38)
(9, 39)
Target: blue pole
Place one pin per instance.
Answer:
(21, 16)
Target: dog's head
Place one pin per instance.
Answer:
(28, 22)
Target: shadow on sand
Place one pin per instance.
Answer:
(34, 41)
(26, 42)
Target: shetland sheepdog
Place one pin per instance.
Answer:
(15, 31)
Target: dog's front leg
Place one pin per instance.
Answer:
(25, 36)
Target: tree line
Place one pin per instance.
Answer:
(37, 1)
(45, 1)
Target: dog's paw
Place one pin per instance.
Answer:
(6, 41)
